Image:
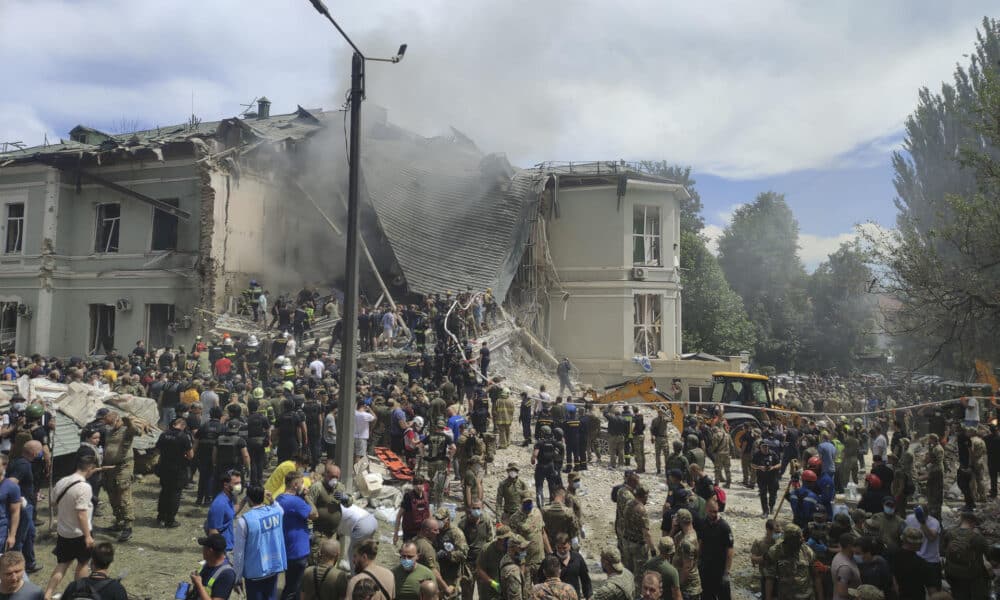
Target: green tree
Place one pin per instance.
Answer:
(942, 262)
(758, 253)
(713, 315)
(843, 310)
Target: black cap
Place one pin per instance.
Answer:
(214, 541)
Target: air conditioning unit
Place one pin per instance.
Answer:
(639, 273)
(24, 311)
(123, 304)
(184, 322)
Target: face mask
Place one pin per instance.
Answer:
(407, 563)
(577, 485)
(859, 559)
(512, 474)
(521, 556)
(527, 506)
(40, 455)
(563, 555)
(889, 511)
(776, 536)
(237, 489)
(476, 512)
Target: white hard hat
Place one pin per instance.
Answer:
(418, 422)
(287, 362)
(252, 342)
(227, 342)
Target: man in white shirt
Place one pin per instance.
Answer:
(930, 549)
(362, 419)
(880, 445)
(356, 523)
(543, 399)
(74, 509)
(290, 345)
(317, 367)
(971, 405)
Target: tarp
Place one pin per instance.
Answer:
(76, 404)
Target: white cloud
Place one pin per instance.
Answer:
(740, 90)
(712, 234)
(726, 215)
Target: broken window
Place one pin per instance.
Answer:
(8, 326)
(15, 228)
(109, 218)
(102, 328)
(646, 236)
(159, 318)
(648, 324)
(165, 227)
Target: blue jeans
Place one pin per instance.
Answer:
(166, 417)
(25, 539)
(262, 589)
(293, 578)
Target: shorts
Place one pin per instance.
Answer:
(388, 332)
(360, 447)
(69, 549)
(933, 575)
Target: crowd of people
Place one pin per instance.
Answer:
(249, 433)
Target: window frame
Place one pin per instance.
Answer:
(645, 333)
(177, 226)
(650, 240)
(7, 225)
(100, 229)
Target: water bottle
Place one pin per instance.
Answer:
(182, 590)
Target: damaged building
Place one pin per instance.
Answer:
(149, 235)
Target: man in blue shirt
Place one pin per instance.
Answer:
(222, 511)
(397, 425)
(10, 507)
(20, 472)
(295, 527)
(828, 452)
(217, 577)
(455, 423)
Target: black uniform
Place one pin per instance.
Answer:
(174, 444)
(257, 442)
(573, 431)
(545, 468)
(767, 480)
(207, 436)
(716, 539)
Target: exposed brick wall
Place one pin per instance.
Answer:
(207, 264)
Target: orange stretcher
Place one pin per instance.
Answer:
(396, 466)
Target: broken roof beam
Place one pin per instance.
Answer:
(160, 204)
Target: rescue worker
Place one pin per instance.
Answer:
(509, 493)
(175, 450)
(637, 542)
(524, 416)
(543, 458)
(804, 500)
(767, 464)
(204, 453)
(661, 443)
(789, 569)
(118, 456)
(503, 417)
(258, 437)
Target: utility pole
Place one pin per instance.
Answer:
(348, 359)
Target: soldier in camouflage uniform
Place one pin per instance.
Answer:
(509, 493)
(620, 584)
(472, 481)
(452, 554)
(528, 523)
(686, 554)
(553, 588)
(662, 563)
(676, 459)
(935, 475)
(488, 565)
(478, 534)
(818, 536)
(515, 578)
(637, 541)
(573, 503)
(722, 446)
(625, 495)
(559, 518)
(427, 554)
(469, 444)
(121, 431)
(591, 422)
(773, 529)
(789, 569)
(661, 443)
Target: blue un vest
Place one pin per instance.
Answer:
(265, 549)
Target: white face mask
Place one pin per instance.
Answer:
(237, 489)
(512, 474)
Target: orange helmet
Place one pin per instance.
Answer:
(809, 476)
(815, 463)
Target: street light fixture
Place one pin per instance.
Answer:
(348, 361)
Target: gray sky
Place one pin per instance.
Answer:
(738, 90)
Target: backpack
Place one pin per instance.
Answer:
(720, 497)
(312, 410)
(257, 425)
(89, 589)
(226, 452)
